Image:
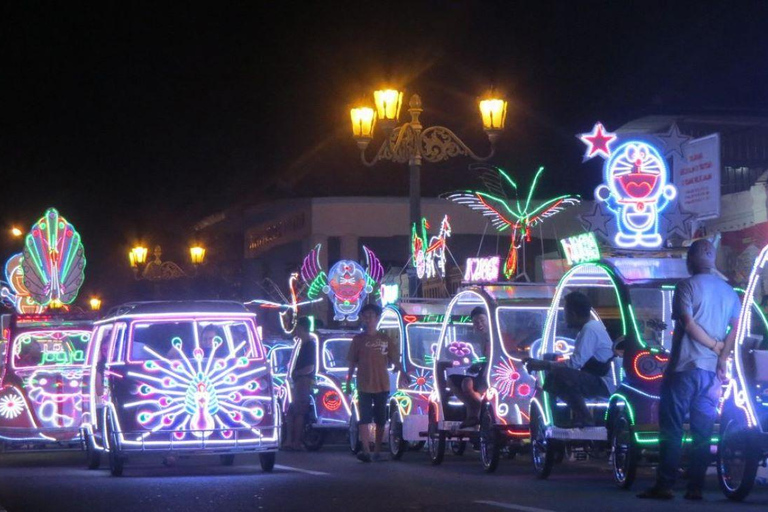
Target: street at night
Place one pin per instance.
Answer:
(330, 480)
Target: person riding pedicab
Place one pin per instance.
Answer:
(303, 379)
(587, 373)
(704, 308)
(470, 387)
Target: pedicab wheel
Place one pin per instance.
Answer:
(115, 457)
(542, 449)
(490, 444)
(354, 435)
(267, 461)
(435, 440)
(417, 446)
(458, 447)
(624, 451)
(737, 460)
(397, 445)
(313, 438)
(227, 459)
(92, 456)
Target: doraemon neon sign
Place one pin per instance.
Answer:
(636, 190)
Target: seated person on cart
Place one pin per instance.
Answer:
(587, 374)
(470, 388)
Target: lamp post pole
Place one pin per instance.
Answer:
(411, 143)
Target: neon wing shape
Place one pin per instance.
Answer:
(313, 274)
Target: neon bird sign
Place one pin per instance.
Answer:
(635, 188)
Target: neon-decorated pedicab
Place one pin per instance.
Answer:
(516, 314)
(416, 324)
(632, 297)
(159, 382)
(40, 395)
(743, 443)
(330, 409)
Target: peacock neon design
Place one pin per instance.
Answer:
(509, 213)
(13, 291)
(201, 396)
(53, 260)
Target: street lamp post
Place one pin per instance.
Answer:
(411, 143)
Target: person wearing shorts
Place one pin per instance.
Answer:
(371, 352)
(302, 379)
(470, 388)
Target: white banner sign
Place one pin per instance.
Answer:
(697, 177)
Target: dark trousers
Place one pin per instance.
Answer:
(696, 392)
(572, 387)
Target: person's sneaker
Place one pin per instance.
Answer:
(693, 495)
(379, 457)
(656, 493)
(364, 457)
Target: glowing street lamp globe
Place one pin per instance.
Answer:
(95, 303)
(138, 256)
(16, 232)
(494, 114)
(197, 254)
(388, 103)
(363, 121)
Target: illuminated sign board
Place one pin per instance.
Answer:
(482, 270)
(389, 293)
(580, 248)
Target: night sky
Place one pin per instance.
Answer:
(137, 121)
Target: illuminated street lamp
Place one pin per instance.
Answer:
(197, 255)
(95, 303)
(411, 143)
(16, 232)
(138, 256)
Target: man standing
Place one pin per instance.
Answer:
(703, 308)
(302, 379)
(371, 352)
(587, 373)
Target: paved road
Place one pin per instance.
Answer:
(329, 480)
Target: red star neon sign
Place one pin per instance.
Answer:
(598, 142)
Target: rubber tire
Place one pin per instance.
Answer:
(417, 446)
(435, 440)
(227, 459)
(458, 447)
(624, 476)
(116, 462)
(267, 461)
(354, 435)
(490, 444)
(752, 459)
(92, 456)
(542, 450)
(397, 445)
(313, 438)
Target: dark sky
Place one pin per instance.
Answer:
(137, 120)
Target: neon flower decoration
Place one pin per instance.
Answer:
(636, 190)
(54, 260)
(460, 349)
(421, 380)
(331, 400)
(14, 292)
(507, 212)
(198, 396)
(11, 406)
(649, 366)
(428, 255)
(347, 283)
(505, 375)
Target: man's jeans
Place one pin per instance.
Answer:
(695, 391)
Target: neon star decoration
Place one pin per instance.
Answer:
(421, 380)
(347, 283)
(198, 397)
(428, 254)
(11, 406)
(598, 142)
(54, 260)
(507, 212)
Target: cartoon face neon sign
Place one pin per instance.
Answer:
(636, 190)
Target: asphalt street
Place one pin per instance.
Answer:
(329, 480)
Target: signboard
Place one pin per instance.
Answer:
(697, 176)
(289, 228)
(390, 293)
(482, 270)
(580, 248)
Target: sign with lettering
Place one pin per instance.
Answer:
(289, 228)
(482, 270)
(697, 176)
(580, 248)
